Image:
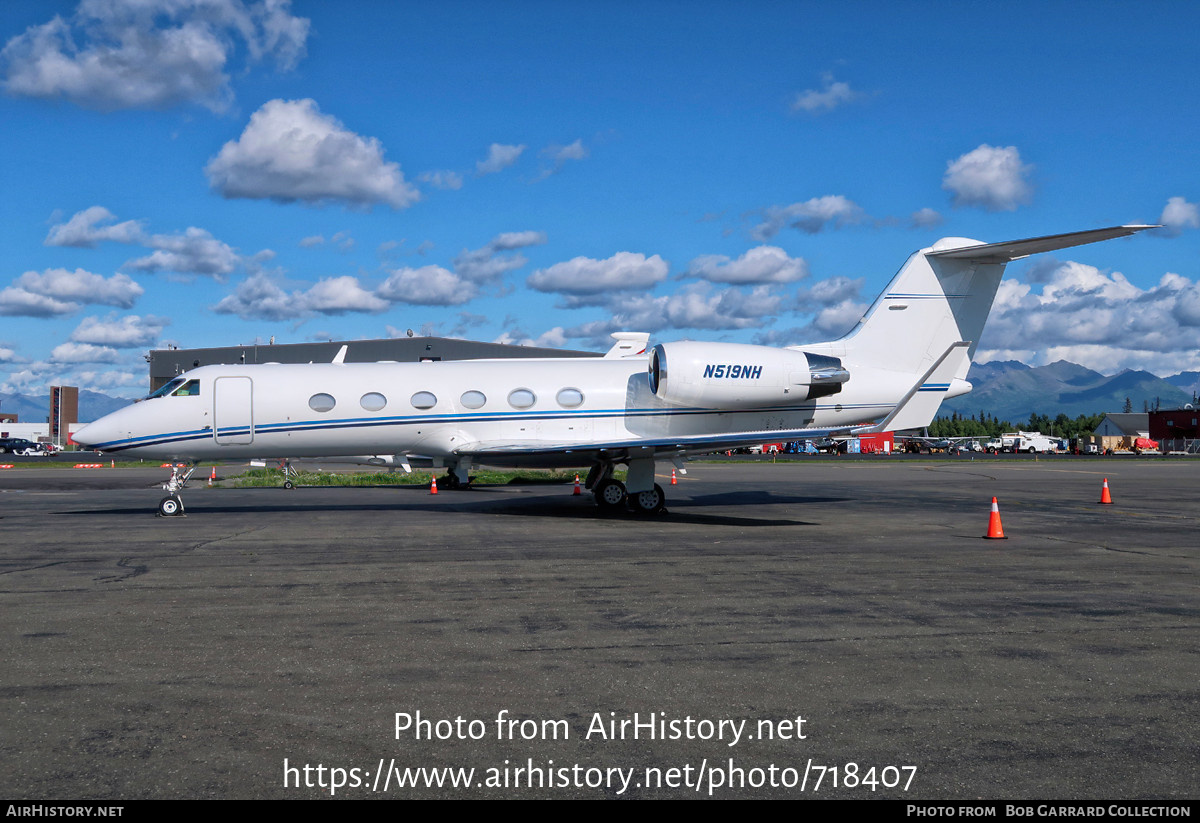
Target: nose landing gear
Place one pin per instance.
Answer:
(172, 504)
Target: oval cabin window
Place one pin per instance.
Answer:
(521, 398)
(424, 400)
(570, 398)
(373, 401)
(321, 402)
(473, 399)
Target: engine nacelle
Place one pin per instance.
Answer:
(740, 376)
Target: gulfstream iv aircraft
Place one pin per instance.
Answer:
(908, 353)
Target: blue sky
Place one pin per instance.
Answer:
(215, 172)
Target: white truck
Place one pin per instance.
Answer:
(1029, 442)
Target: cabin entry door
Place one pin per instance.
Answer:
(233, 411)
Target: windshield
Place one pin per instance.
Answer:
(179, 387)
(166, 389)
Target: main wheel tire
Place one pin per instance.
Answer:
(170, 506)
(288, 484)
(610, 494)
(649, 502)
(451, 481)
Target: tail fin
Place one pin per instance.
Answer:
(943, 295)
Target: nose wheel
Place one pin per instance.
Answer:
(170, 506)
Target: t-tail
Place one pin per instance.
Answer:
(909, 352)
(928, 321)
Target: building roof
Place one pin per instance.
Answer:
(1124, 425)
(165, 364)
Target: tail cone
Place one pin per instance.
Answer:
(995, 530)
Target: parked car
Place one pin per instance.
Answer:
(19, 445)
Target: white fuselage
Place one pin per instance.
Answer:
(438, 409)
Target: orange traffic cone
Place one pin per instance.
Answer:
(212, 476)
(995, 530)
(576, 486)
(1105, 496)
(433, 486)
(674, 482)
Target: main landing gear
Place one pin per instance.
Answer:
(641, 496)
(172, 504)
(289, 473)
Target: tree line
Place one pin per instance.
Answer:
(986, 425)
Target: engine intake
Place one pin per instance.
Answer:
(740, 376)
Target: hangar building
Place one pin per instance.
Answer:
(165, 364)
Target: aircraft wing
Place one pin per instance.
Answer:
(692, 444)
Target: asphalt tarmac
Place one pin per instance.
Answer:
(821, 628)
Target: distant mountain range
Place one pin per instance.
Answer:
(36, 409)
(1009, 390)
(1012, 391)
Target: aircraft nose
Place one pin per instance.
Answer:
(94, 434)
(82, 437)
(88, 436)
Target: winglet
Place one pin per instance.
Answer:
(921, 403)
(340, 357)
(629, 344)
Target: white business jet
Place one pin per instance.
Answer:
(908, 353)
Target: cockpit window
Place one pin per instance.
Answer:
(168, 388)
(189, 389)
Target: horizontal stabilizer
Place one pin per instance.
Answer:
(1016, 249)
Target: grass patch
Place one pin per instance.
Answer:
(274, 477)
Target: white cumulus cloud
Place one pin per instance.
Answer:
(19, 302)
(764, 264)
(495, 259)
(832, 94)
(991, 177)
(82, 286)
(195, 251)
(92, 225)
(925, 219)
(84, 353)
(259, 297)
(1178, 215)
(810, 217)
(500, 157)
(1098, 319)
(697, 306)
(583, 275)
(556, 157)
(118, 54)
(340, 295)
(126, 332)
(291, 152)
(451, 180)
(428, 286)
